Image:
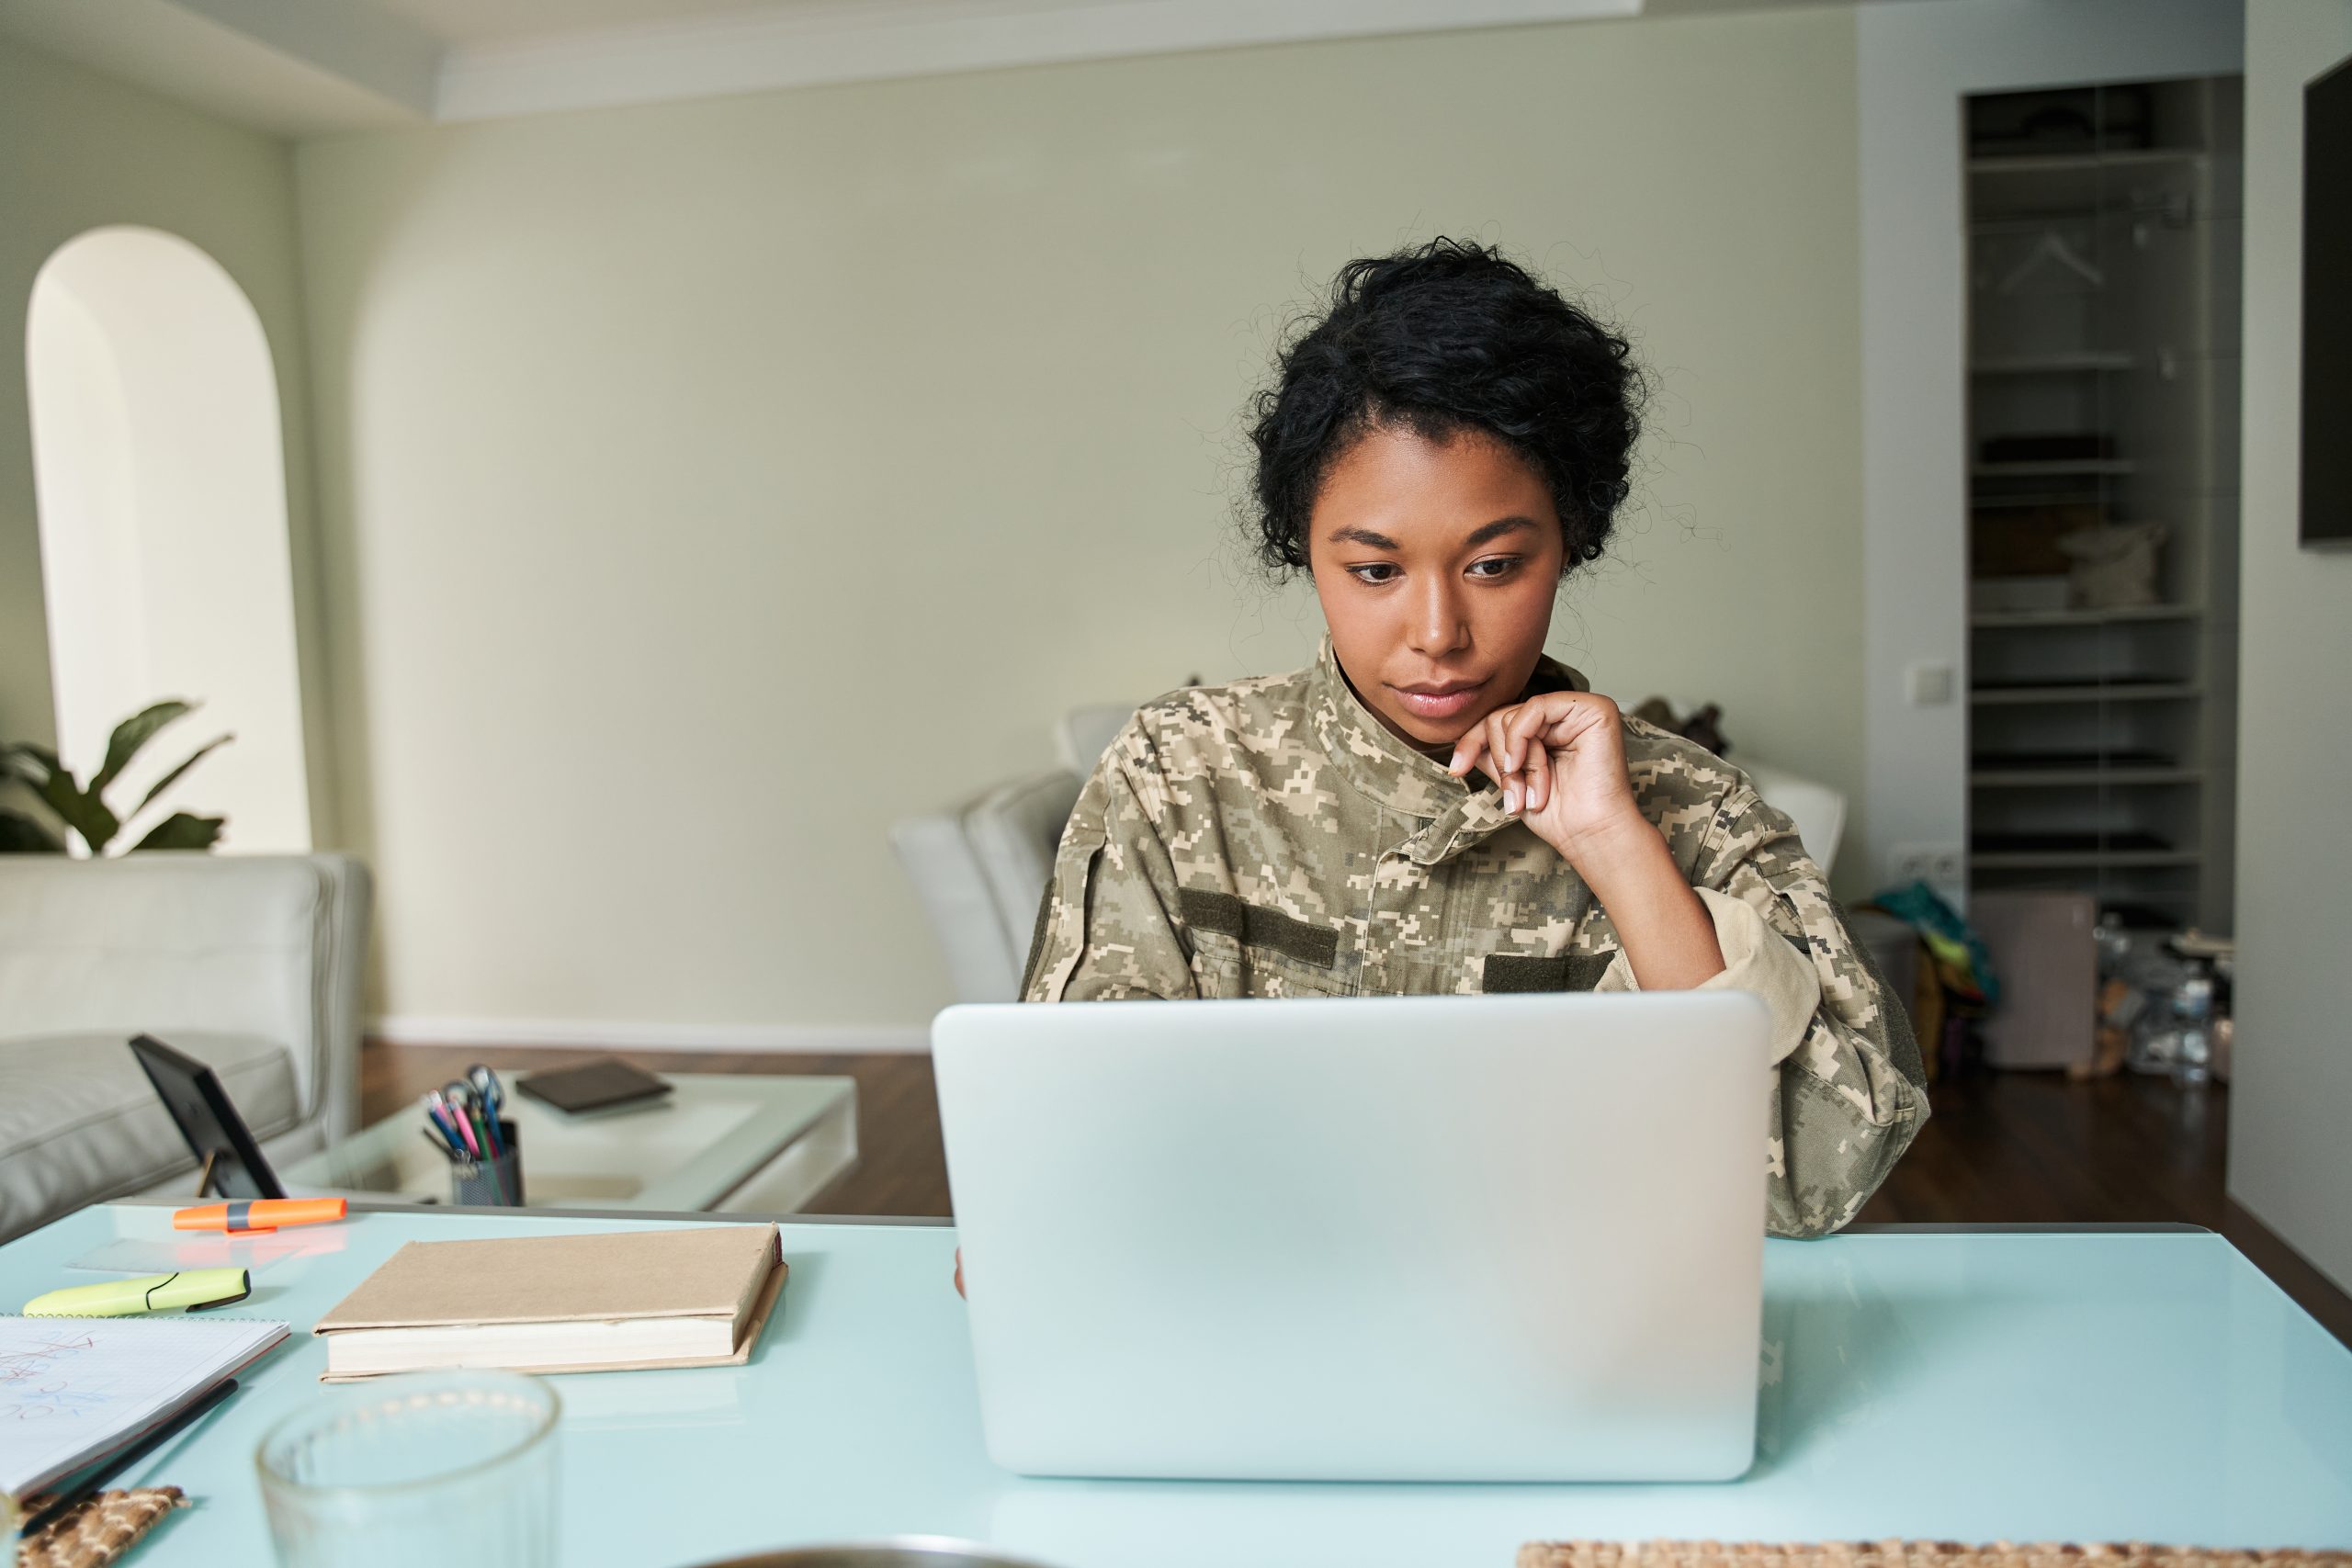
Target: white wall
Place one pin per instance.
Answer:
(709, 484)
(2291, 1093)
(161, 485)
(78, 152)
(1916, 58)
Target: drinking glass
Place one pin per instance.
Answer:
(395, 1471)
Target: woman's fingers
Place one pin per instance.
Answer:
(1513, 746)
(1522, 747)
(1500, 762)
(1506, 746)
(1539, 777)
(1473, 754)
(1527, 728)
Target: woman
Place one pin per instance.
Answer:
(1434, 806)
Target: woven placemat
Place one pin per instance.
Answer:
(101, 1530)
(1906, 1554)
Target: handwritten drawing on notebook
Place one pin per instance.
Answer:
(74, 1389)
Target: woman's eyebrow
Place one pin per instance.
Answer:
(1362, 537)
(1495, 530)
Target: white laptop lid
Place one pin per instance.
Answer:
(1468, 1239)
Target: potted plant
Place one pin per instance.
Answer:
(83, 811)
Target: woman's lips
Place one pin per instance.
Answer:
(1438, 701)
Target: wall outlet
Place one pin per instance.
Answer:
(1941, 867)
(1929, 686)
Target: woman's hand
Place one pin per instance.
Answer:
(1560, 758)
(959, 1270)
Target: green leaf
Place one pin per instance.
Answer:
(85, 813)
(168, 780)
(130, 735)
(20, 835)
(181, 831)
(28, 761)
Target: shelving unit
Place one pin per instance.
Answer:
(2102, 236)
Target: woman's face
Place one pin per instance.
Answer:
(1436, 562)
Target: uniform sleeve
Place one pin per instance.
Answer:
(1108, 930)
(1849, 1092)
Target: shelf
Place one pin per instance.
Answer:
(2083, 162)
(2053, 364)
(2075, 778)
(2035, 190)
(2068, 859)
(2088, 692)
(2013, 620)
(2031, 500)
(2089, 466)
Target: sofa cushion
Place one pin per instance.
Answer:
(79, 1122)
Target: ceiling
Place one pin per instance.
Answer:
(465, 22)
(319, 67)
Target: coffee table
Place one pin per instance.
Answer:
(745, 1143)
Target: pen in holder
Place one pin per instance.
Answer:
(496, 1181)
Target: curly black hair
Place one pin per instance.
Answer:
(1446, 339)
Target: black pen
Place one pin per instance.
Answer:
(90, 1487)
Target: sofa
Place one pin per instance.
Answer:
(251, 964)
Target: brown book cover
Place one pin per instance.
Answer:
(732, 1273)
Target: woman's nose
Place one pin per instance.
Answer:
(1439, 627)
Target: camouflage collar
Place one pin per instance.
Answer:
(1385, 769)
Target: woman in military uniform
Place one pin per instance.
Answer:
(1434, 806)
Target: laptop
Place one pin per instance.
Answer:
(1415, 1238)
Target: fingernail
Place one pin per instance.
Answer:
(1511, 799)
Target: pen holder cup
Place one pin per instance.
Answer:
(496, 1182)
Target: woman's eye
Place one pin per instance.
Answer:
(1374, 571)
(1494, 566)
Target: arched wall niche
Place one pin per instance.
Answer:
(159, 470)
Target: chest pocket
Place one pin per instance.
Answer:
(1569, 972)
(1243, 950)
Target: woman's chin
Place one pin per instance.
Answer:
(1431, 734)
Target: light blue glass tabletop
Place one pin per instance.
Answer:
(2022, 1386)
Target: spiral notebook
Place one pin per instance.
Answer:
(73, 1390)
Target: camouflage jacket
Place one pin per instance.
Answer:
(1272, 838)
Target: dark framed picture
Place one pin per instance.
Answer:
(191, 1091)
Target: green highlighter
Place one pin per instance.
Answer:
(195, 1289)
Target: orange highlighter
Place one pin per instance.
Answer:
(255, 1216)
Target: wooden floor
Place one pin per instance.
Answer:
(2007, 1146)
(2034, 1147)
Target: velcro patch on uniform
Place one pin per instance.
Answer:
(1238, 918)
(1506, 972)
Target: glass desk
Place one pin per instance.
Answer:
(2053, 1385)
(750, 1144)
